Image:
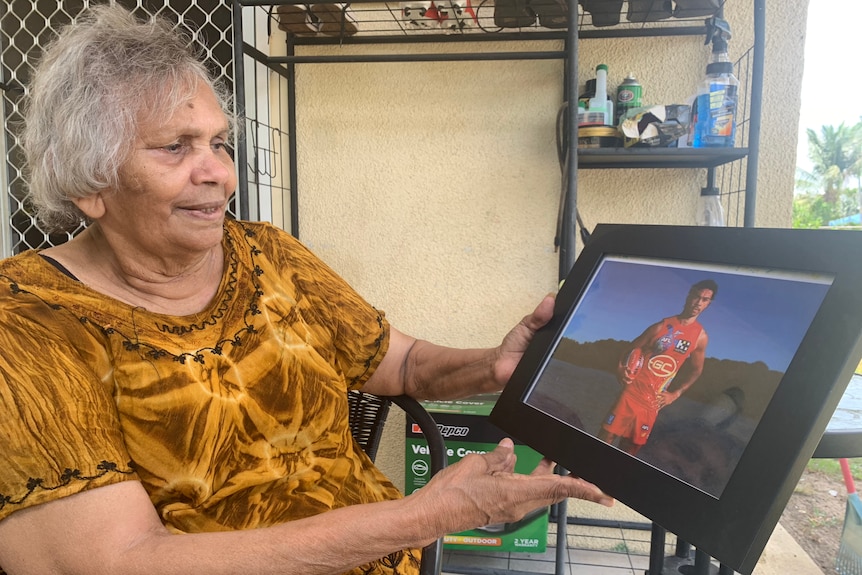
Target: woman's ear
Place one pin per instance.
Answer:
(92, 206)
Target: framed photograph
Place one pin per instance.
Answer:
(690, 373)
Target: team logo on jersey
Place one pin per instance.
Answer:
(662, 365)
(681, 346)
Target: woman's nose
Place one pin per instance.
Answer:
(213, 166)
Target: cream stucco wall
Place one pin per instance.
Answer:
(433, 187)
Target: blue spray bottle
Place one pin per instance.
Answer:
(713, 117)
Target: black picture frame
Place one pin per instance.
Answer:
(790, 298)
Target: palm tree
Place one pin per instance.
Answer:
(836, 154)
(856, 168)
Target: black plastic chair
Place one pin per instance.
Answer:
(368, 414)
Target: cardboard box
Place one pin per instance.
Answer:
(465, 429)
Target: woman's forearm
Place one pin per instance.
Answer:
(115, 529)
(437, 372)
(428, 371)
(332, 542)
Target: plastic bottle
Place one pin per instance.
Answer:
(584, 117)
(714, 111)
(709, 210)
(600, 103)
(588, 94)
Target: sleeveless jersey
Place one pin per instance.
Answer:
(664, 356)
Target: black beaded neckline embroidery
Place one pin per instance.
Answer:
(152, 352)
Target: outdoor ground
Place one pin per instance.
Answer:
(814, 516)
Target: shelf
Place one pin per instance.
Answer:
(603, 158)
(420, 21)
(375, 23)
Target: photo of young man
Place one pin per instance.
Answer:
(659, 366)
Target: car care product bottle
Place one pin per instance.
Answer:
(584, 119)
(584, 101)
(709, 210)
(713, 116)
(600, 103)
(629, 96)
(588, 94)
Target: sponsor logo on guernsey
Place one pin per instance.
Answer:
(682, 346)
(662, 365)
(644, 430)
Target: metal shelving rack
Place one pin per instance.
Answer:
(380, 25)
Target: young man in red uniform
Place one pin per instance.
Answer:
(659, 366)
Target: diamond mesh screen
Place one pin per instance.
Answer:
(26, 26)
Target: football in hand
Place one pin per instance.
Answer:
(634, 363)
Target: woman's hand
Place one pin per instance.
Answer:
(515, 343)
(483, 489)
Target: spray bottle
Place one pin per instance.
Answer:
(713, 118)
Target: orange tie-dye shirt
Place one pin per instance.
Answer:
(233, 418)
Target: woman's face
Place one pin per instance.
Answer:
(175, 187)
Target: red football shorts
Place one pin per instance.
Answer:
(629, 418)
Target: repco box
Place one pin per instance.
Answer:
(465, 429)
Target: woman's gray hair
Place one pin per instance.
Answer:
(103, 76)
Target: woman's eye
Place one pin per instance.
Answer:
(174, 148)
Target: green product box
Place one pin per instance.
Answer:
(466, 429)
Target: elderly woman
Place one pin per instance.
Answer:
(170, 371)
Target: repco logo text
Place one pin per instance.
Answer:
(453, 430)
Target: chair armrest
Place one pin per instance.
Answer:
(432, 555)
(436, 444)
(368, 414)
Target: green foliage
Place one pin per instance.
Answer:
(833, 188)
(832, 468)
(810, 211)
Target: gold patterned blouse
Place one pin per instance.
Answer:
(233, 418)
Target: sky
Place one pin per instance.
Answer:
(755, 316)
(831, 82)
